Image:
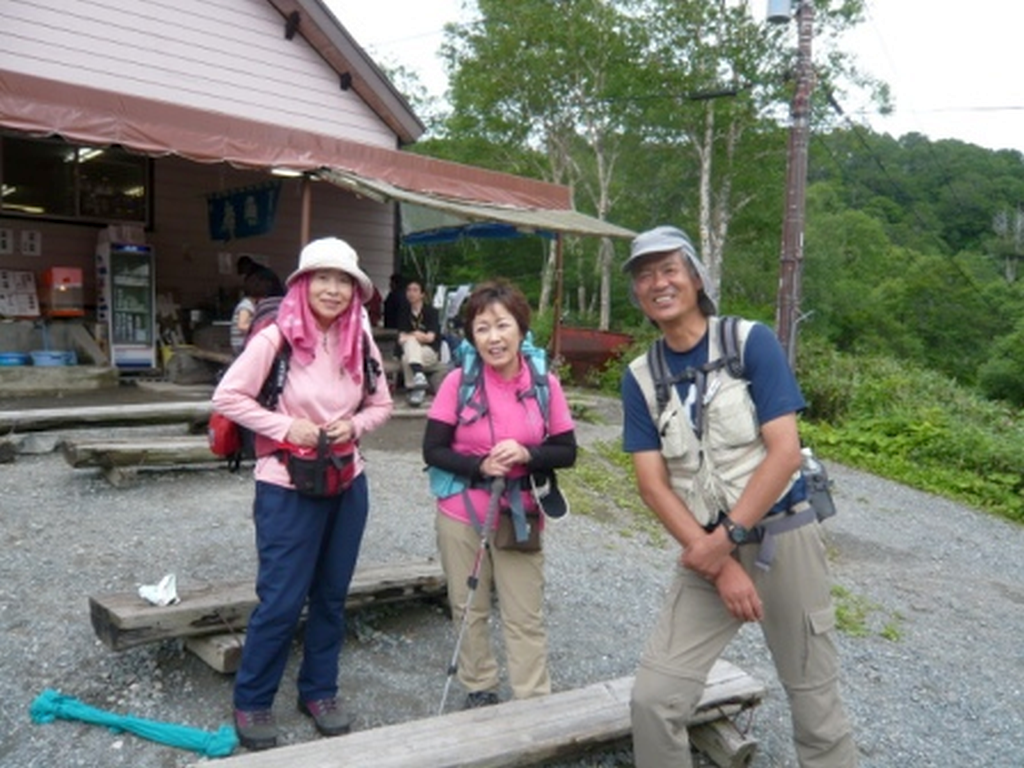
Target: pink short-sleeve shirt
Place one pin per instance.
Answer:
(511, 414)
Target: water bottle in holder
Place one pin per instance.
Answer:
(819, 487)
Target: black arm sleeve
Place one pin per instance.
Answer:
(438, 452)
(555, 452)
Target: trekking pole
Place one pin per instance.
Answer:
(497, 488)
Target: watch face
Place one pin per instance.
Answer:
(737, 534)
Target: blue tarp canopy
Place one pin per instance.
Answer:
(481, 230)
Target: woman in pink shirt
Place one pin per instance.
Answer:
(307, 545)
(500, 431)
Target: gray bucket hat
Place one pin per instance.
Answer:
(666, 239)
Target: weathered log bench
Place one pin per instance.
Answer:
(38, 419)
(124, 620)
(526, 732)
(121, 459)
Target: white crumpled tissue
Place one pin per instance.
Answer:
(164, 593)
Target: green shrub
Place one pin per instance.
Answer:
(915, 426)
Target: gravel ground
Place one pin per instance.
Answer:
(935, 679)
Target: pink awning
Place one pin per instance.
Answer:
(43, 107)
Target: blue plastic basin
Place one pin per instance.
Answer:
(49, 357)
(13, 358)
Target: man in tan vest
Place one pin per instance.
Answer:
(717, 459)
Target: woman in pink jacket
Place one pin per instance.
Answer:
(307, 545)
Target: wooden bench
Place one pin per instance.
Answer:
(39, 419)
(124, 620)
(526, 732)
(121, 459)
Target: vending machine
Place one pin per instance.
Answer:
(126, 303)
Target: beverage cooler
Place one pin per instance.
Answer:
(126, 303)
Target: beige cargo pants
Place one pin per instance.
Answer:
(518, 578)
(694, 628)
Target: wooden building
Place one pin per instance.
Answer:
(215, 128)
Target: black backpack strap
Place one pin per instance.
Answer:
(273, 385)
(658, 367)
(268, 396)
(371, 368)
(657, 364)
(729, 345)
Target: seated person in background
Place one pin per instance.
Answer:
(395, 301)
(419, 339)
(375, 308)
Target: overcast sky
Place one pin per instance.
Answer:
(951, 65)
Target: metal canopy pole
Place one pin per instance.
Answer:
(556, 332)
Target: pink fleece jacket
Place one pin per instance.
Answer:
(320, 391)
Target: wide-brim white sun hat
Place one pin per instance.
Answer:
(333, 253)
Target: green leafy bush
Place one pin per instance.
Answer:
(916, 426)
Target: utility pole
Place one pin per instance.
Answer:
(787, 315)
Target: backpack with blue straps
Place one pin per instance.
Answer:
(444, 483)
(812, 471)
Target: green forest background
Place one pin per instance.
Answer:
(911, 346)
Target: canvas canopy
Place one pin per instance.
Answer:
(437, 218)
(462, 194)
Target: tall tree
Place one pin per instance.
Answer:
(722, 73)
(1009, 247)
(581, 81)
(543, 74)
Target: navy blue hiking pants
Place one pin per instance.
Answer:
(307, 549)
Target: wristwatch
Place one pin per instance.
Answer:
(737, 533)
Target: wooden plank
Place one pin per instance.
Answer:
(162, 451)
(223, 653)
(34, 420)
(515, 733)
(723, 743)
(123, 620)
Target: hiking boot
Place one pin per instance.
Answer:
(327, 716)
(256, 729)
(480, 699)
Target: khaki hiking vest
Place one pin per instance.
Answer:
(708, 473)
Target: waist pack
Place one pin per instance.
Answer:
(327, 470)
(505, 533)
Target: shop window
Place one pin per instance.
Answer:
(57, 180)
